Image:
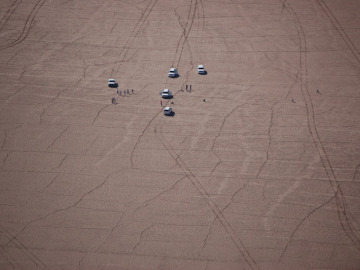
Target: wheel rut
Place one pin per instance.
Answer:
(349, 225)
(27, 26)
(344, 36)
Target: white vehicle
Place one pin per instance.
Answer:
(200, 69)
(168, 111)
(173, 73)
(166, 94)
(112, 83)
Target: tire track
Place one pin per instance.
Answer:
(214, 208)
(223, 123)
(13, 239)
(25, 31)
(27, 26)
(339, 29)
(26, 251)
(342, 208)
(195, 10)
(245, 254)
(218, 213)
(182, 40)
(202, 16)
(135, 31)
(8, 14)
(185, 33)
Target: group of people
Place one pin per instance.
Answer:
(119, 92)
(127, 91)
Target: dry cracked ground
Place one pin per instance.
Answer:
(259, 167)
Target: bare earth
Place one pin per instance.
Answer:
(262, 174)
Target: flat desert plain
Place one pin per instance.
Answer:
(257, 168)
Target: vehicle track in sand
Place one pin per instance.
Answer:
(218, 214)
(344, 36)
(347, 224)
(23, 249)
(194, 10)
(13, 239)
(8, 14)
(183, 40)
(27, 26)
(23, 34)
(177, 57)
(122, 58)
(134, 33)
(185, 32)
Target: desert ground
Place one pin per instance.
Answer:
(258, 167)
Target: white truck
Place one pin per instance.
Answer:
(166, 93)
(112, 83)
(201, 70)
(173, 73)
(168, 111)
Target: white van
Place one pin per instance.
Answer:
(166, 93)
(173, 73)
(167, 111)
(201, 69)
(112, 83)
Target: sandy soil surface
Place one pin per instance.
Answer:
(259, 167)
